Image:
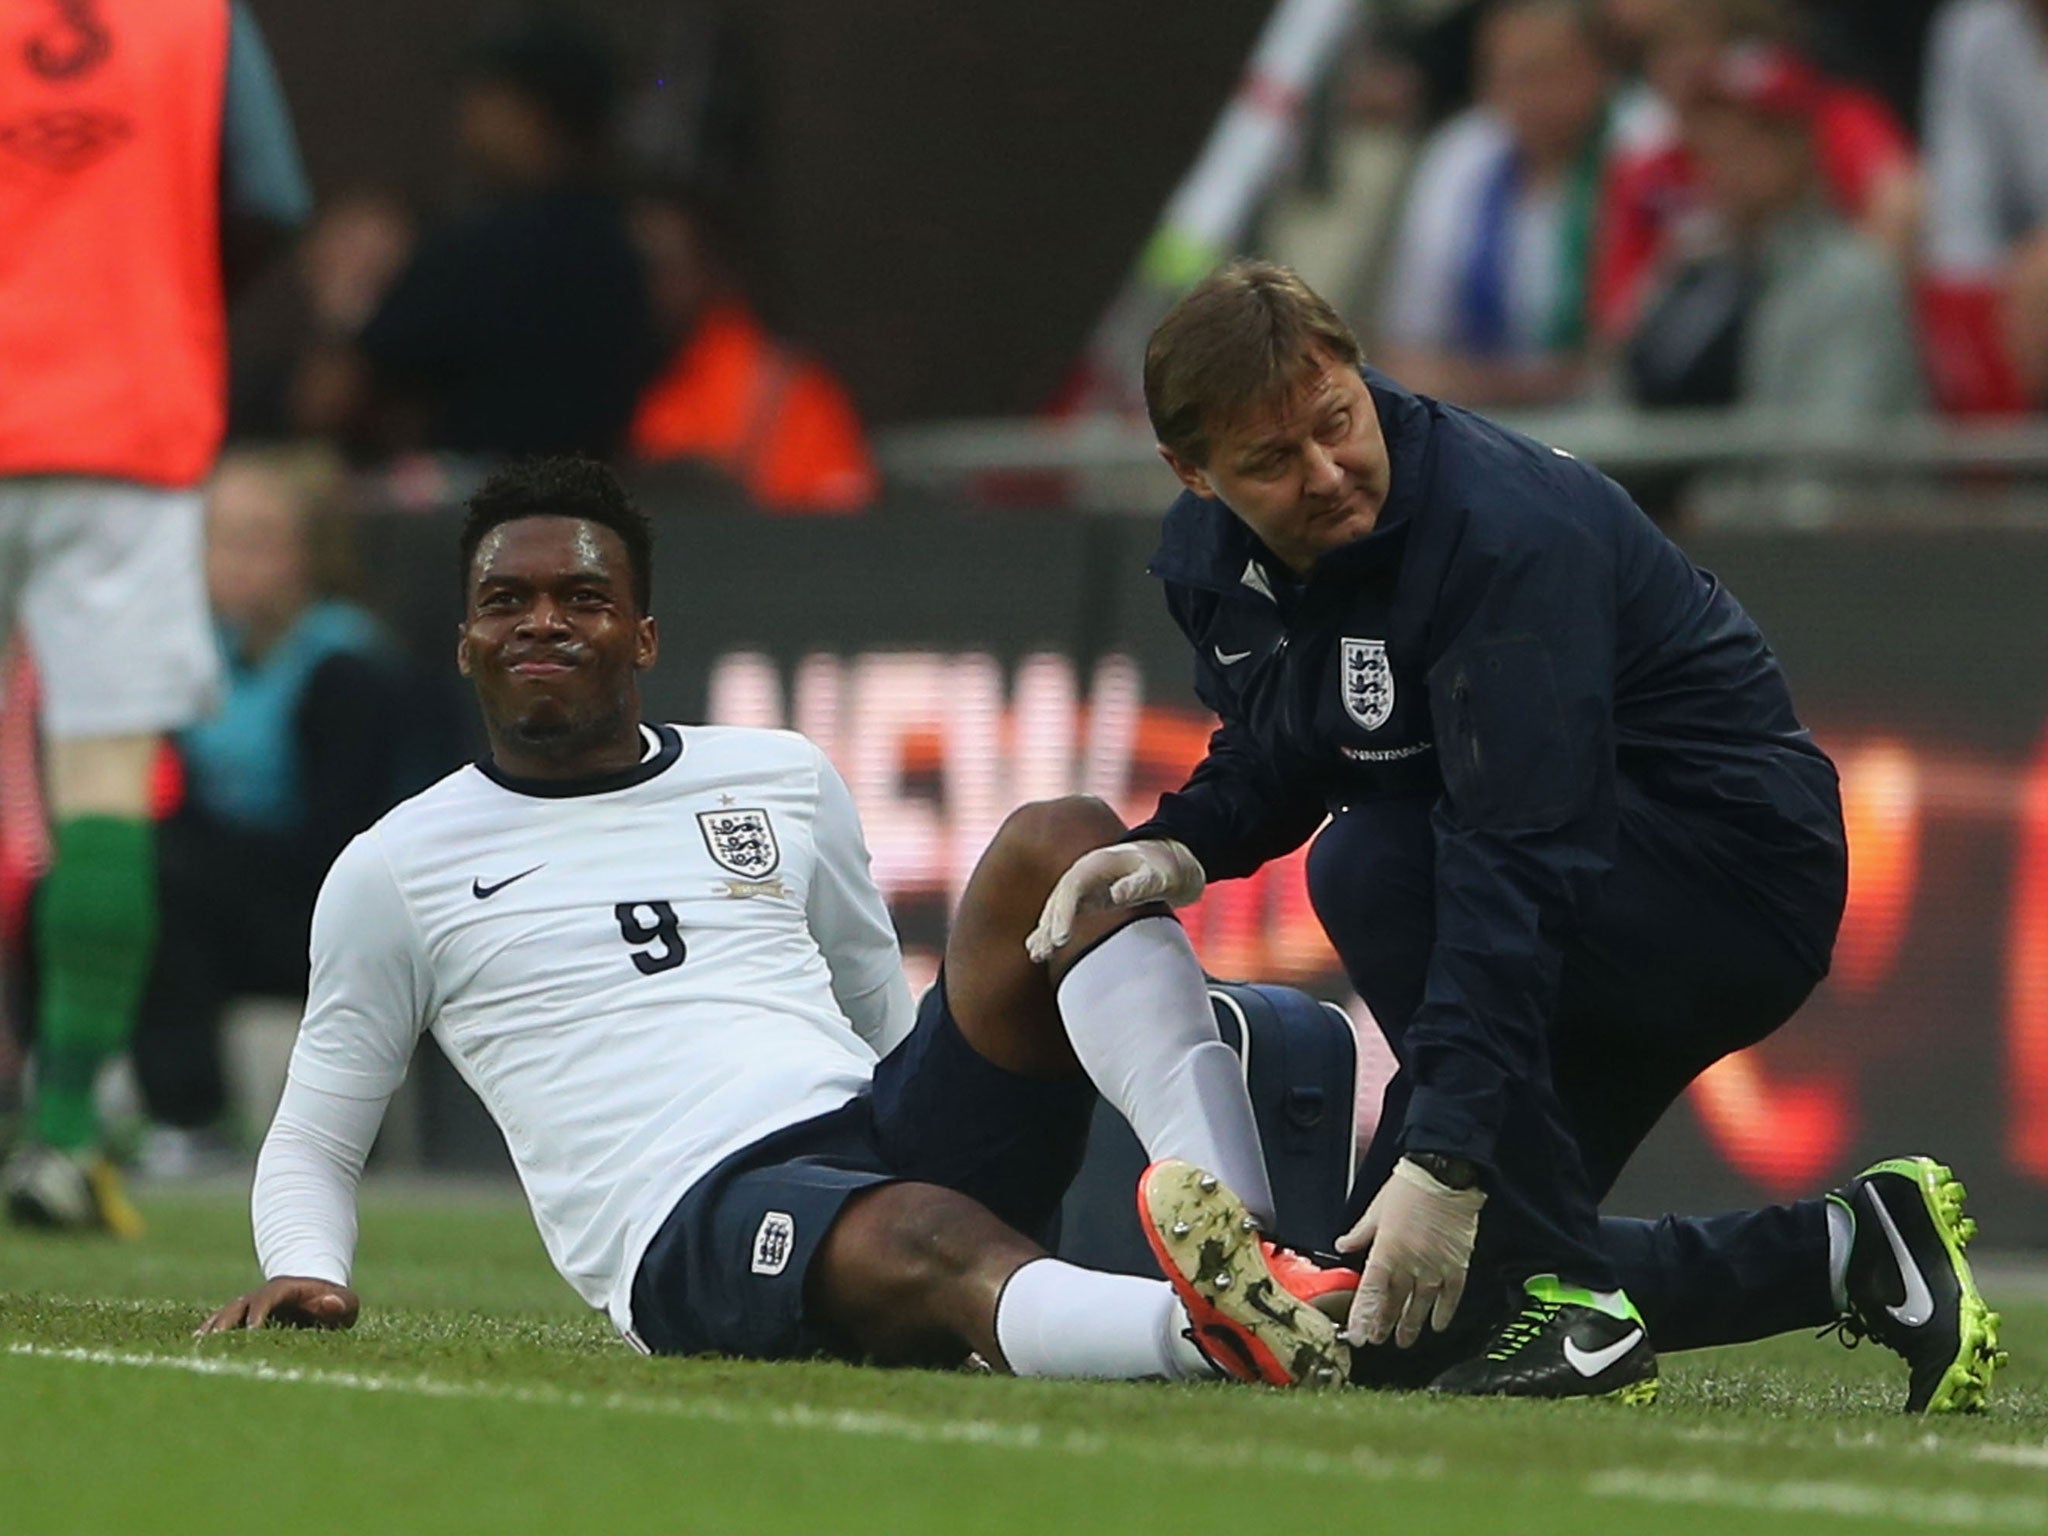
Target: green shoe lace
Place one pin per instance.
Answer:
(1527, 1326)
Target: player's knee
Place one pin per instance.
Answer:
(931, 1252)
(910, 1274)
(1046, 836)
(905, 1238)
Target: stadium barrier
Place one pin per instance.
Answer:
(956, 665)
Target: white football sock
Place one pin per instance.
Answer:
(1058, 1319)
(1841, 1238)
(1137, 1011)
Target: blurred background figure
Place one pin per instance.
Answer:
(147, 166)
(1786, 306)
(522, 326)
(1654, 198)
(1487, 299)
(777, 423)
(1332, 220)
(294, 369)
(310, 745)
(1986, 132)
(1413, 65)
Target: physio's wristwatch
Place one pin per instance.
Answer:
(1451, 1172)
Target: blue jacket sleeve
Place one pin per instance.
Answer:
(1241, 807)
(1521, 697)
(1237, 810)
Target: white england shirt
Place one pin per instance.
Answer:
(638, 975)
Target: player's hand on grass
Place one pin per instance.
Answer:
(1121, 875)
(1417, 1237)
(289, 1300)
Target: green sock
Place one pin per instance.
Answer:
(95, 930)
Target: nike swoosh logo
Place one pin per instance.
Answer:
(1917, 1311)
(1230, 658)
(484, 892)
(1255, 1296)
(1591, 1362)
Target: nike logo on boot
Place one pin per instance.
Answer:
(1591, 1362)
(1917, 1310)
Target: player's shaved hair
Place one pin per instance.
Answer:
(1243, 340)
(562, 487)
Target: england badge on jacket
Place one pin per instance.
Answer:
(1367, 682)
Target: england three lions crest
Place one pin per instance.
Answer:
(742, 841)
(1367, 682)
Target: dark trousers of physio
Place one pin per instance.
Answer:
(1674, 967)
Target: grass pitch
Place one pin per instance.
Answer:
(477, 1395)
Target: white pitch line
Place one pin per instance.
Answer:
(2012, 1455)
(862, 1423)
(1861, 1501)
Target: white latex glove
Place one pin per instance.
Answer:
(1419, 1233)
(1121, 875)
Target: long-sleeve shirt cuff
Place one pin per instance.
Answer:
(303, 1205)
(1458, 1119)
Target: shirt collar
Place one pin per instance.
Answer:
(661, 745)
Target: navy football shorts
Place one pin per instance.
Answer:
(725, 1274)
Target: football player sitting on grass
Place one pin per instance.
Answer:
(656, 953)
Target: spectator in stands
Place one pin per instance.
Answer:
(523, 327)
(308, 748)
(1630, 31)
(1653, 192)
(1628, 27)
(296, 375)
(1986, 292)
(1417, 65)
(1331, 216)
(775, 422)
(1487, 302)
(1790, 308)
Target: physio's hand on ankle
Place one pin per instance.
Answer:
(1121, 875)
(1417, 1236)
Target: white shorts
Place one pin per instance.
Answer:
(108, 579)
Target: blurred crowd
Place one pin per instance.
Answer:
(1834, 208)
(585, 295)
(1838, 206)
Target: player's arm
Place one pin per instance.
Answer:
(304, 1214)
(850, 921)
(366, 1003)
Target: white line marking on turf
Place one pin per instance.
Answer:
(1903, 1506)
(864, 1423)
(2012, 1455)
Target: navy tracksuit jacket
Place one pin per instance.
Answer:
(1579, 846)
